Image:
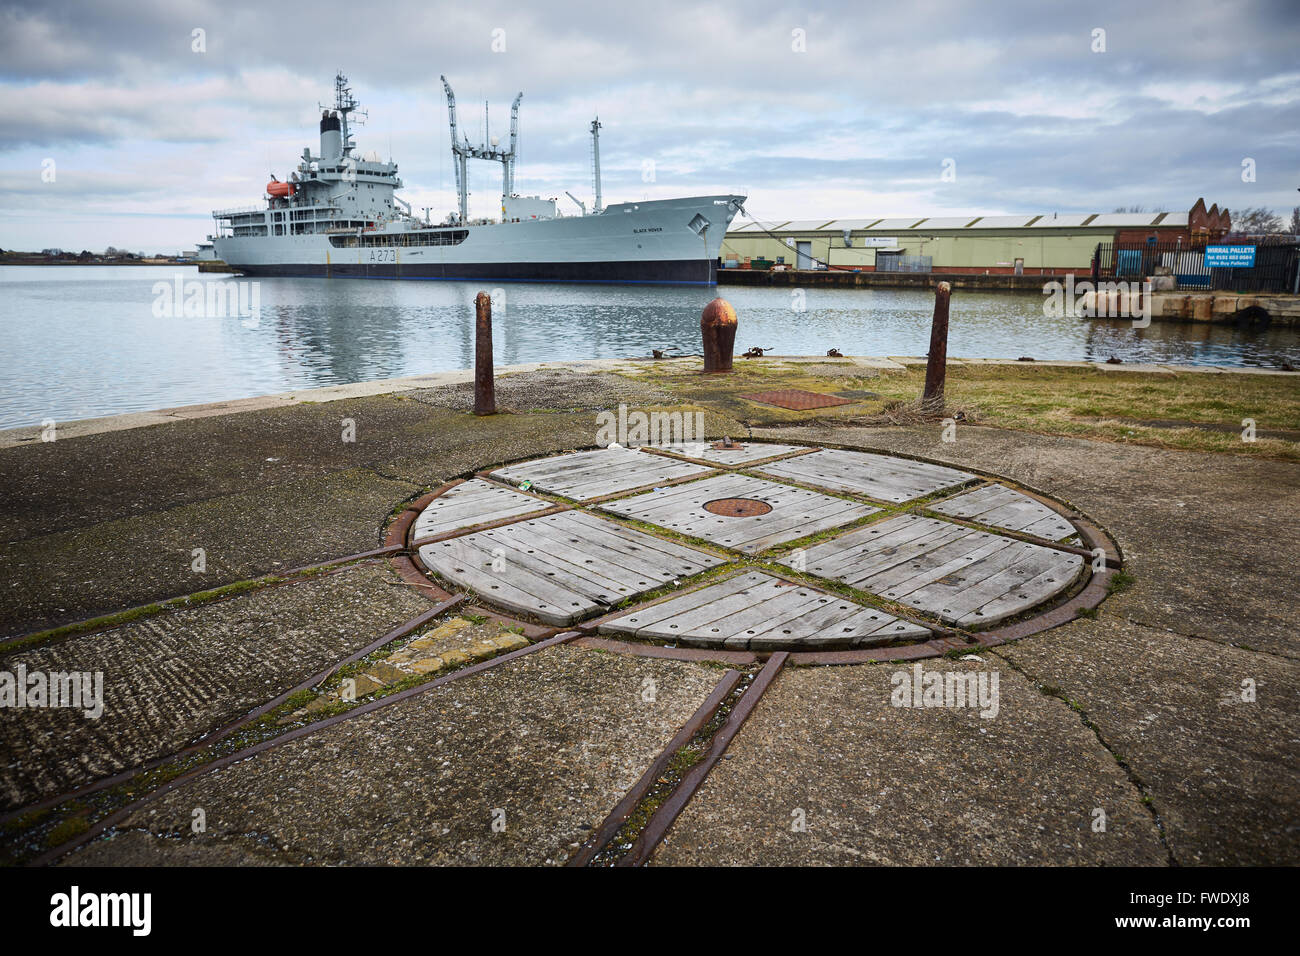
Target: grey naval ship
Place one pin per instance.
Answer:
(337, 214)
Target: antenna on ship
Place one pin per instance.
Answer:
(595, 163)
(344, 104)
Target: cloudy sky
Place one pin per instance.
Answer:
(816, 110)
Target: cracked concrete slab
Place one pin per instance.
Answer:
(52, 487)
(1222, 772)
(873, 783)
(551, 390)
(546, 745)
(100, 568)
(174, 677)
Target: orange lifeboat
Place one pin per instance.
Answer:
(277, 188)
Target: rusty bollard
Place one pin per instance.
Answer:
(718, 328)
(485, 397)
(937, 366)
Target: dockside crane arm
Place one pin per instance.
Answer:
(514, 145)
(451, 109)
(457, 154)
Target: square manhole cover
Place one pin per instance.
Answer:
(797, 399)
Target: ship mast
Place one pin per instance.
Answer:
(345, 104)
(595, 163)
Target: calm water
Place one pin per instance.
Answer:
(84, 341)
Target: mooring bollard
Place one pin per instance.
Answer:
(937, 366)
(718, 328)
(485, 398)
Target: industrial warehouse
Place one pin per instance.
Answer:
(1047, 244)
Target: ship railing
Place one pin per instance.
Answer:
(237, 211)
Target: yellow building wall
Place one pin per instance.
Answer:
(1041, 249)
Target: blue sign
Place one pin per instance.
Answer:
(1230, 257)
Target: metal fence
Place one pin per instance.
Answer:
(1277, 260)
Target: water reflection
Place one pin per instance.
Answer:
(83, 341)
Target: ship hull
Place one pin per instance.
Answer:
(655, 241)
(667, 272)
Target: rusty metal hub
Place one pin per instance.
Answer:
(737, 507)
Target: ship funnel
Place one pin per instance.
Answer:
(331, 137)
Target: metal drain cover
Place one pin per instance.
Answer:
(737, 507)
(797, 399)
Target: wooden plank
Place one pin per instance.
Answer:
(860, 627)
(723, 486)
(944, 569)
(948, 596)
(593, 474)
(1000, 507)
(949, 558)
(854, 556)
(786, 609)
(712, 624)
(566, 566)
(1004, 585)
(631, 540)
(545, 574)
(877, 476)
(746, 453)
(968, 504)
(811, 621)
(1055, 528)
(761, 611)
(796, 512)
(1037, 589)
(599, 555)
(640, 618)
(458, 562)
(473, 502)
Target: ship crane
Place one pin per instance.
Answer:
(462, 151)
(458, 154)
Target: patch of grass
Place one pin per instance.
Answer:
(1084, 402)
(1120, 581)
(1058, 400)
(66, 830)
(27, 820)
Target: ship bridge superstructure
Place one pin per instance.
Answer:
(331, 191)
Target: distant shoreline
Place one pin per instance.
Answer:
(38, 261)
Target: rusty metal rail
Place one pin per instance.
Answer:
(662, 820)
(618, 816)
